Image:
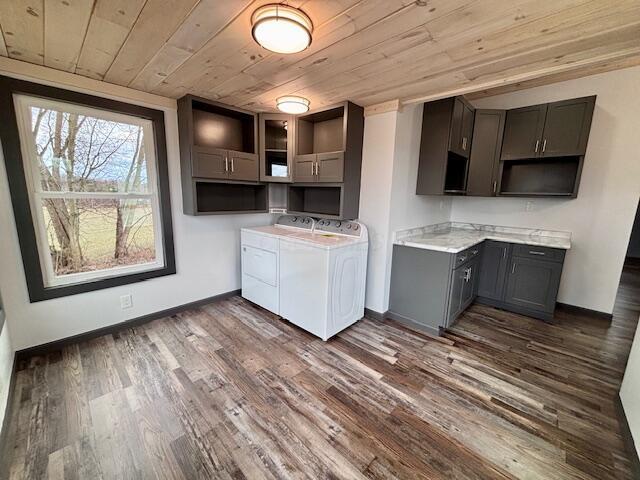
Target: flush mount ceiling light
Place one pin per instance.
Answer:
(292, 104)
(281, 28)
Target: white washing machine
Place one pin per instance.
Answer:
(311, 273)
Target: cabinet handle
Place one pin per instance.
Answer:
(537, 145)
(504, 253)
(226, 164)
(462, 259)
(464, 143)
(544, 145)
(533, 252)
(474, 252)
(231, 164)
(513, 268)
(495, 185)
(317, 169)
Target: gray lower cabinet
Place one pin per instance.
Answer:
(430, 289)
(495, 261)
(533, 284)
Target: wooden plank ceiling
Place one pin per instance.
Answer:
(368, 51)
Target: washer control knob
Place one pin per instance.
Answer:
(294, 219)
(307, 221)
(338, 224)
(348, 226)
(356, 226)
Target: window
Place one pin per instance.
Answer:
(95, 180)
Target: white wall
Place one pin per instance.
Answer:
(206, 248)
(601, 218)
(630, 390)
(375, 200)
(6, 367)
(387, 197)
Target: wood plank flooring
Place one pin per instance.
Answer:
(231, 391)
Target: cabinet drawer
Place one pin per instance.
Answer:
(466, 255)
(541, 253)
(259, 241)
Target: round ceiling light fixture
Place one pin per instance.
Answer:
(281, 28)
(292, 104)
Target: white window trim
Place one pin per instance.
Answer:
(32, 173)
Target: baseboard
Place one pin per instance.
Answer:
(374, 314)
(8, 411)
(81, 337)
(587, 312)
(627, 437)
(418, 327)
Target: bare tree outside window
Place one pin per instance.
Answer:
(94, 201)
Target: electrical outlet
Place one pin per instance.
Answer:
(529, 206)
(126, 301)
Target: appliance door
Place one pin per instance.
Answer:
(347, 287)
(304, 285)
(260, 277)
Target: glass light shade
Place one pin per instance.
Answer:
(292, 104)
(281, 29)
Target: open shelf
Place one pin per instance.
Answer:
(455, 181)
(544, 177)
(315, 200)
(218, 127)
(321, 132)
(220, 198)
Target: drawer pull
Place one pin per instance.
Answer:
(534, 252)
(462, 259)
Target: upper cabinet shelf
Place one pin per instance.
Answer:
(327, 162)
(558, 129)
(217, 147)
(531, 151)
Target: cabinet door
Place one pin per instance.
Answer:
(566, 128)
(304, 167)
(533, 284)
(455, 295)
(330, 167)
(468, 115)
(243, 166)
(493, 269)
(484, 161)
(209, 162)
(456, 127)
(522, 132)
(277, 134)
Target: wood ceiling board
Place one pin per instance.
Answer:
(154, 26)
(111, 22)
(594, 69)
(379, 55)
(72, 17)
(568, 24)
(3, 46)
(206, 20)
(22, 22)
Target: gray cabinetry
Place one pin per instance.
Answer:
(493, 268)
(533, 284)
(242, 166)
(522, 132)
(430, 289)
(484, 162)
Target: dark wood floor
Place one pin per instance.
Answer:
(231, 391)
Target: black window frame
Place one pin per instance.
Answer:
(14, 163)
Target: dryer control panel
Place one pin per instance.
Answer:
(297, 221)
(343, 227)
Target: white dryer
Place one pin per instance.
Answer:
(312, 273)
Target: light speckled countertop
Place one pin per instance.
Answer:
(453, 237)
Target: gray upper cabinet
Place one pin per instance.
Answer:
(219, 163)
(446, 143)
(461, 130)
(277, 145)
(495, 260)
(567, 127)
(522, 132)
(242, 166)
(485, 154)
(533, 284)
(330, 167)
(327, 162)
